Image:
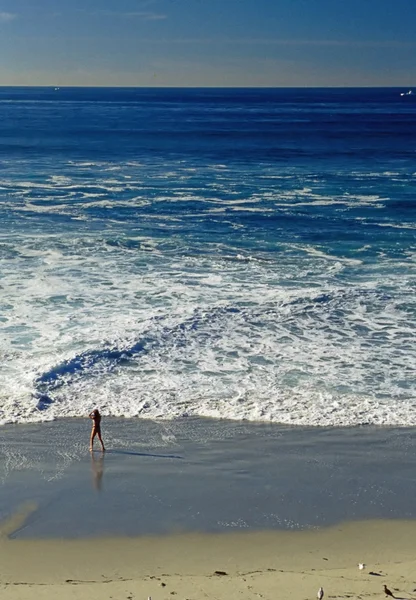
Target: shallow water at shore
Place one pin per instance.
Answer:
(189, 475)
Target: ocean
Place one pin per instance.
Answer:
(226, 253)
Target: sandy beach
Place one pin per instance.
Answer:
(253, 565)
(206, 509)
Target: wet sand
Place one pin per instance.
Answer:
(203, 509)
(196, 475)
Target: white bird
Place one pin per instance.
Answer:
(320, 593)
(361, 566)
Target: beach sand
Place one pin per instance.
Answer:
(281, 511)
(268, 565)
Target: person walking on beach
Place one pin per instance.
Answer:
(96, 428)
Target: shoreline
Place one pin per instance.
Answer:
(227, 565)
(205, 418)
(225, 511)
(195, 475)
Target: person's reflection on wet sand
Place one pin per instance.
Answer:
(97, 465)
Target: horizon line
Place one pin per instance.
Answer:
(207, 87)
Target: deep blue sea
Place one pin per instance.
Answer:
(232, 253)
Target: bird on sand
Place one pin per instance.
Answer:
(320, 593)
(361, 566)
(388, 592)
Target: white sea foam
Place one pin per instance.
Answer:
(165, 326)
(397, 225)
(315, 251)
(221, 339)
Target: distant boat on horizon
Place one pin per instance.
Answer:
(409, 93)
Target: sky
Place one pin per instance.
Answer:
(271, 43)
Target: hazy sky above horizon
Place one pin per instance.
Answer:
(208, 42)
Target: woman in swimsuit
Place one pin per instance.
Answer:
(96, 428)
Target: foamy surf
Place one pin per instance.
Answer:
(168, 276)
